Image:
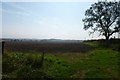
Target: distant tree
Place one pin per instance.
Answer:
(103, 17)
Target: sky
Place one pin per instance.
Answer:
(45, 20)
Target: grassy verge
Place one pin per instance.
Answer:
(98, 63)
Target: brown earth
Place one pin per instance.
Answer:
(46, 47)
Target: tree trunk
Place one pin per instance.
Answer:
(107, 38)
(107, 41)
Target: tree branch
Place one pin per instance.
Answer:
(112, 22)
(113, 32)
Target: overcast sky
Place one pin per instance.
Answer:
(45, 20)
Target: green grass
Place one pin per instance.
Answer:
(98, 63)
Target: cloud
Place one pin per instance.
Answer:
(54, 0)
(18, 10)
(14, 12)
(32, 16)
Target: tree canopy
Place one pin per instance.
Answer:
(103, 17)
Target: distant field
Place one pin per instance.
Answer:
(90, 59)
(46, 47)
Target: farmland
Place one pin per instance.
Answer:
(48, 47)
(88, 59)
